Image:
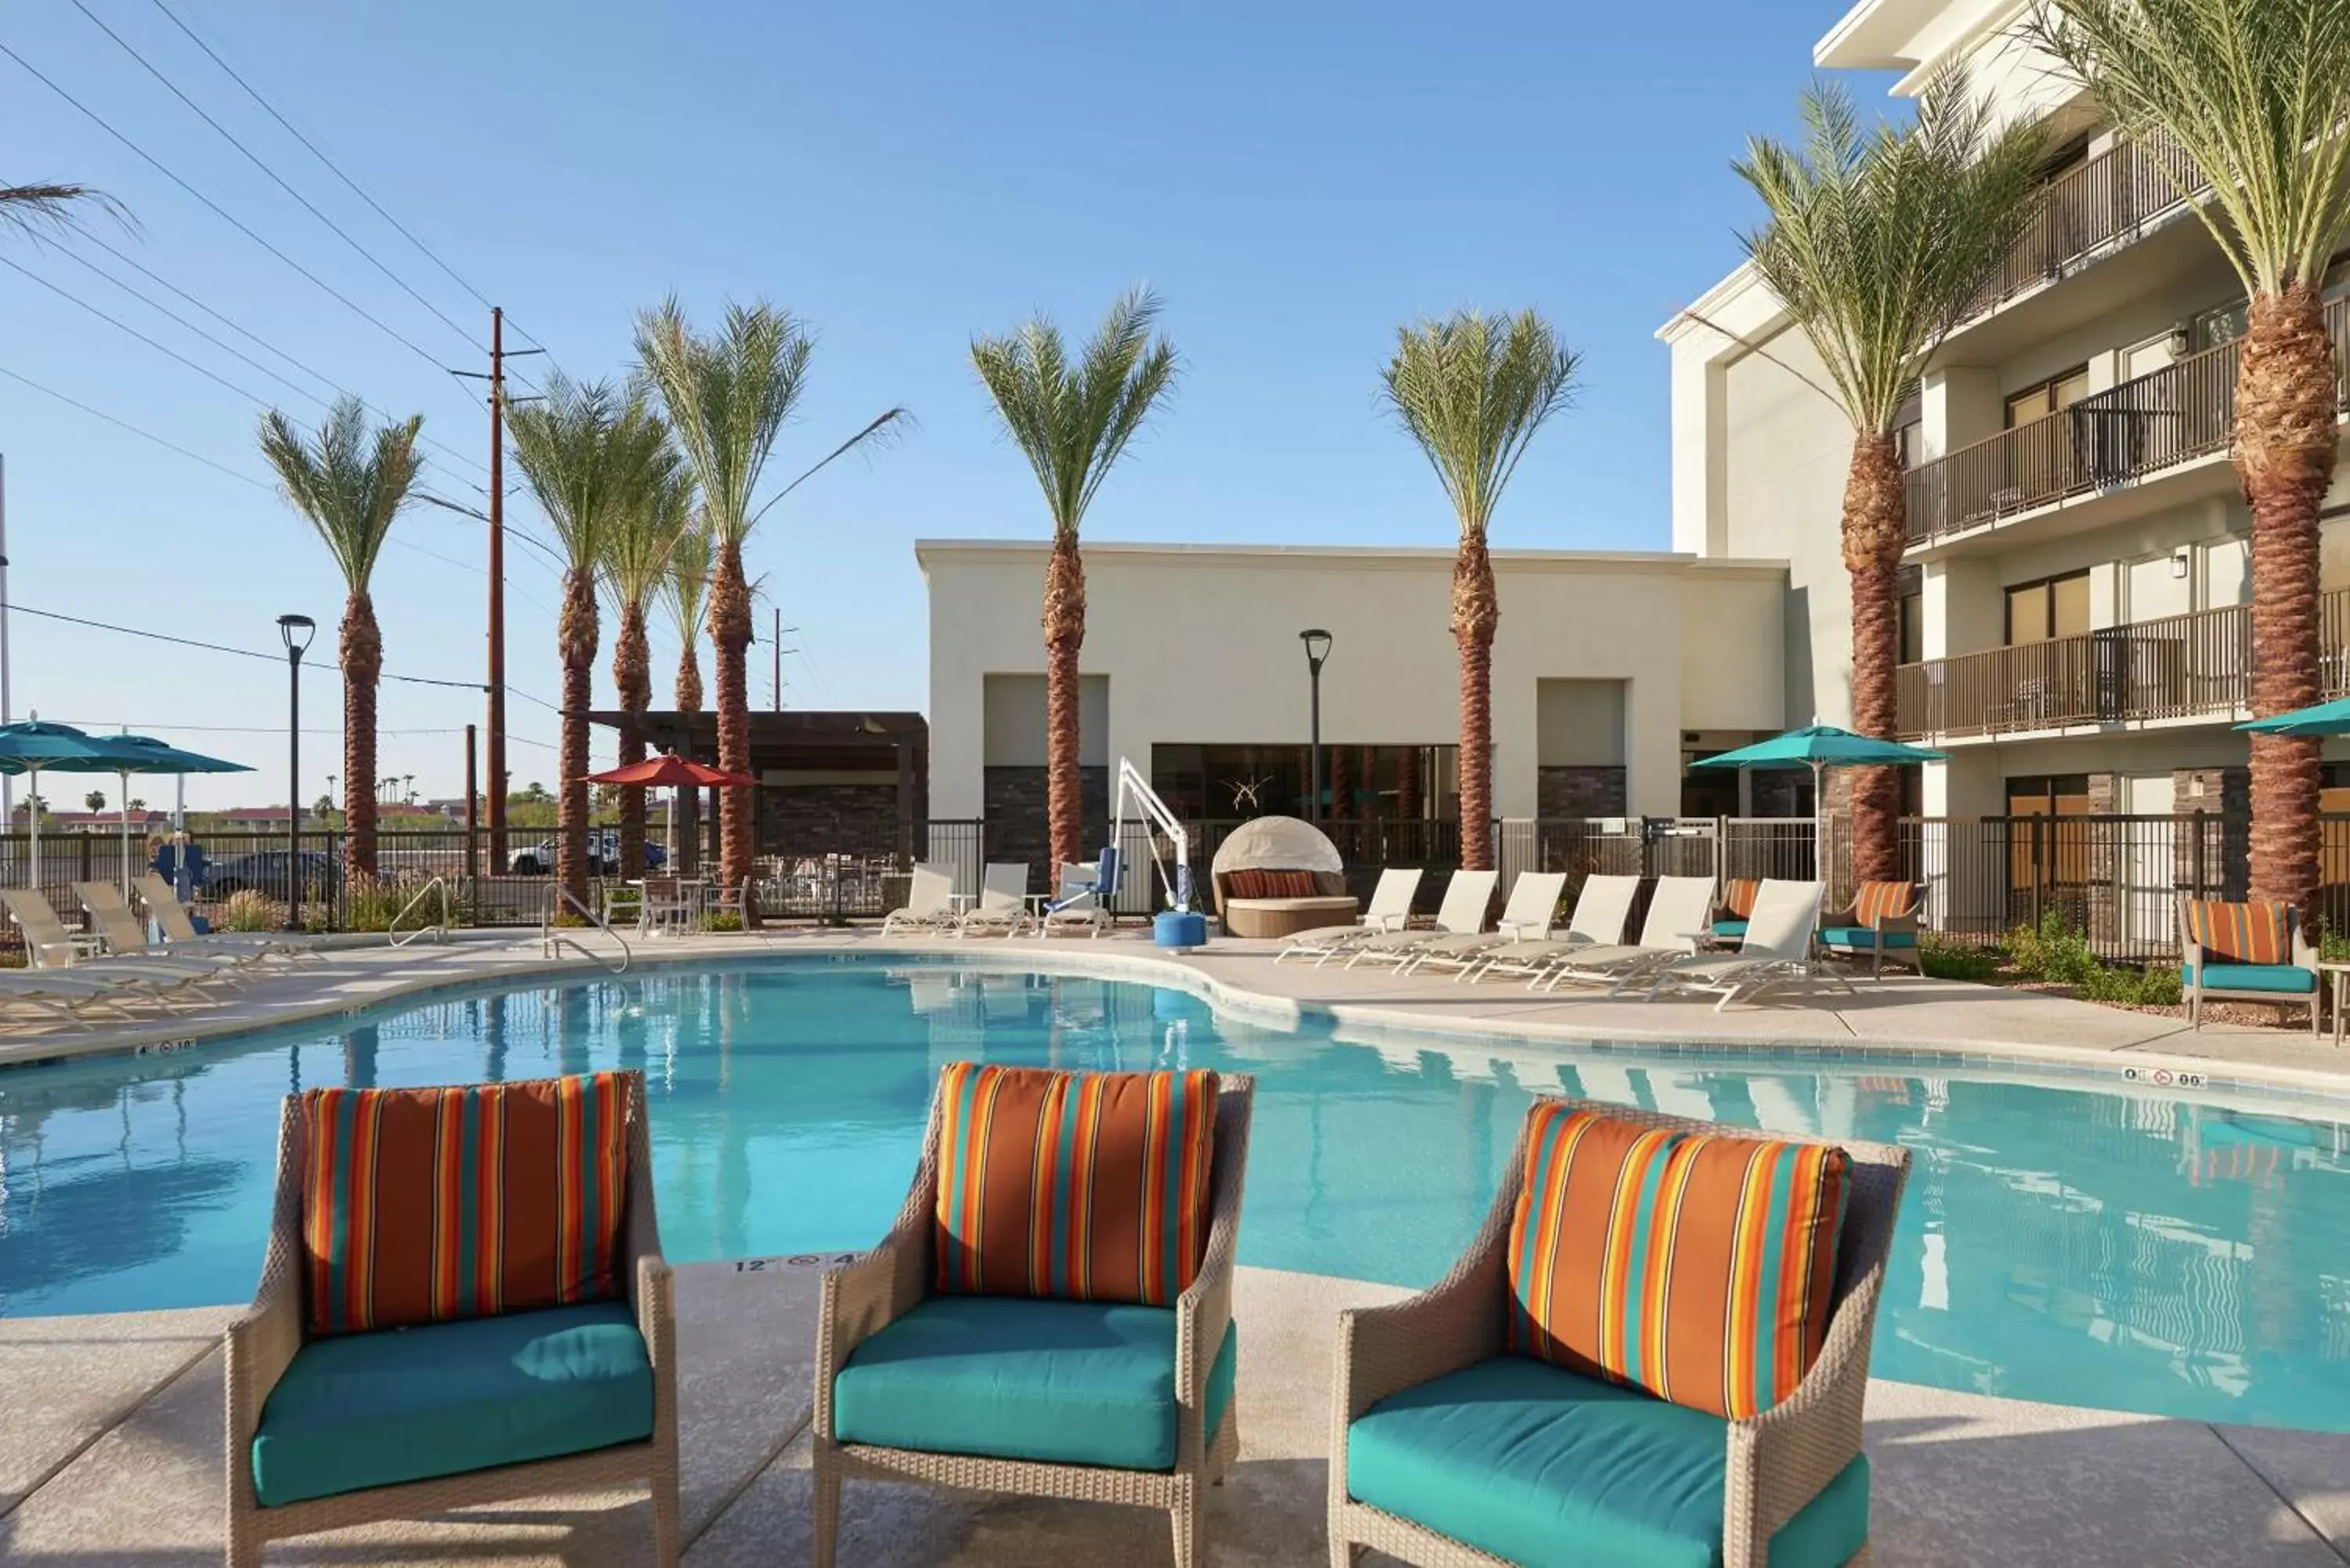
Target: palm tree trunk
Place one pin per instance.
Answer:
(2284, 456)
(689, 682)
(1065, 635)
(730, 634)
(362, 654)
(575, 635)
(1873, 538)
(1476, 616)
(632, 678)
(685, 855)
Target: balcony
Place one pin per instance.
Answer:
(2182, 667)
(2186, 409)
(2090, 208)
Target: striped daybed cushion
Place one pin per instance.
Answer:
(1696, 1266)
(2259, 932)
(1082, 1185)
(428, 1205)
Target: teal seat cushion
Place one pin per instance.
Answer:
(1862, 937)
(1015, 1378)
(1729, 928)
(363, 1410)
(2284, 977)
(1532, 1464)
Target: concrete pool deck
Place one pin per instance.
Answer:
(111, 1455)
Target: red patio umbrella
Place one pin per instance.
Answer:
(676, 773)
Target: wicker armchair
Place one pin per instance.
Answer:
(866, 1296)
(262, 1346)
(1775, 1463)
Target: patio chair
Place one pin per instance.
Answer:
(2254, 952)
(126, 935)
(929, 901)
(1003, 900)
(365, 1384)
(1735, 906)
(1880, 927)
(1082, 902)
(52, 996)
(664, 906)
(1481, 1423)
(1775, 950)
(49, 945)
(1389, 910)
(1526, 916)
(1672, 929)
(164, 907)
(939, 1361)
(1601, 911)
(1467, 896)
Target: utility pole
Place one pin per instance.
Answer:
(777, 691)
(7, 791)
(498, 714)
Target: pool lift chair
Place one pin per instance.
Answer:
(1178, 927)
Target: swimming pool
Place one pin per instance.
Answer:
(2107, 1249)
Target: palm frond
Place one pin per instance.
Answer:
(347, 480)
(686, 588)
(728, 396)
(1472, 389)
(638, 546)
(45, 208)
(588, 458)
(1878, 242)
(1072, 423)
(885, 430)
(2257, 92)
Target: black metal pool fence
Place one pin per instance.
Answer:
(2114, 878)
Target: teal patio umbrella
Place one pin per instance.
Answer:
(2324, 719)
(36, 746)
(146, 754)
(1820, 748)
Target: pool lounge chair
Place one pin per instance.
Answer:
(1003, 900)
(1775, 950)
(929, 902)
(1526, 916)
(50, 945)
(56, 996)
(1463, 913)
(1390, 911)
(1448, 1449)
(1671, 929)
(126, 934)
(1601, 911)
(164, 907)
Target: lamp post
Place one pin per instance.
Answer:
(1318, 649)
(296, 631)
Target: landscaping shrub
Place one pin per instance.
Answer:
(725, 920)
(1943, 959)
(251, 909)
(2155, 985)
(2054, 950)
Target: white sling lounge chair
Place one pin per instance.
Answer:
(929, 902)
(55, 995)
(1775, 950)
(1003, 900)
(126, 938)
(1601, 913)
(51, 946)
(164, 907)
(1525, 916)
(1677, 910)
(1463, 913)
(1390, 911)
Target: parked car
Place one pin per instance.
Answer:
(603, 850)
(266, 870)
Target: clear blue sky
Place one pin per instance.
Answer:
(1295, 180)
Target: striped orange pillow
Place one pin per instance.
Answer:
(1878, 901)
(1248, 884)
(2256, 932)
(426, 1205)
(1738, 895)
(1084, 1186)
(1697, 1266)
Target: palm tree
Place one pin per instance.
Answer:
(638, 555)
(2256, 94)
(589, 457)
(686, 592)
(94, 800)
(1876, 244)
(1472, 389)
(1071, 422)
(729, 395)
(351, 482)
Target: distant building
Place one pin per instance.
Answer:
(101, 821)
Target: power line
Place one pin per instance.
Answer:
(271, 110)
(134, 430)
(155, 163)
(116, 321)
(258, 162)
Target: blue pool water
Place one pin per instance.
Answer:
(2115, 1250)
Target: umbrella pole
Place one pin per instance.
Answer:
(1820, 822)
(33, 817)
(122, 800)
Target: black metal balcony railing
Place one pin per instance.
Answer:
(2186, 410)
(2182, 666)
(2089, 207)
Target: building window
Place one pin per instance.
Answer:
(2048, 607)
(1913, 629)
(2037, 402)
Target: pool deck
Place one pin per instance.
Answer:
(111, 1455)
(111, 1426)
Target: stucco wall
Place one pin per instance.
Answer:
(1199, 645)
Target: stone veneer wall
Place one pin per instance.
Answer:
(1581, 789)
(1015, 800)
(824, 819)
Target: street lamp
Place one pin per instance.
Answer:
(1318, 649)
(297, 631)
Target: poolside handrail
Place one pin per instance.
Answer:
(551, 937)
(438, 931)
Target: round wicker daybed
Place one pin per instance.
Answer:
(1277, 876)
